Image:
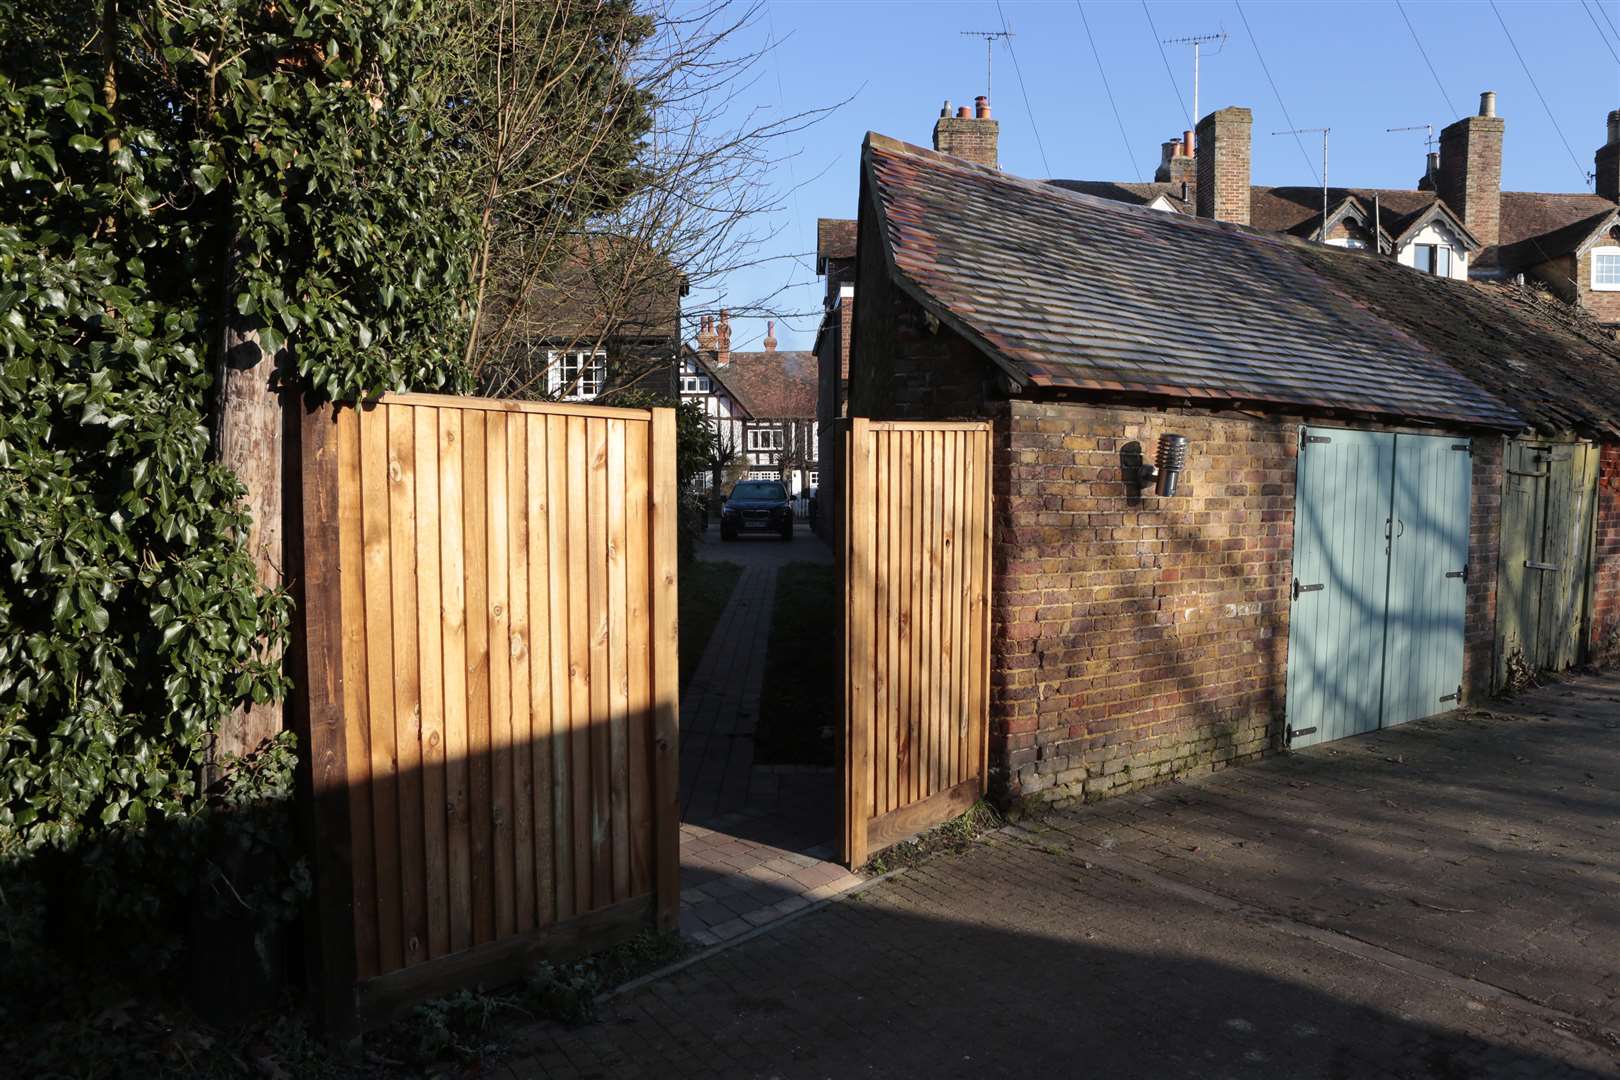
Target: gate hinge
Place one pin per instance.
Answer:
(1465, 447)
(1454, 697)
(1295, 733)
(1463, 573)
(1306, 439)
(1298, 588)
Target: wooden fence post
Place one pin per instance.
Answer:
(665, 668)
(861, 522)
(320, 696)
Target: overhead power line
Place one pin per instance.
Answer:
(1019, 71)
(1598, 27)
(1605, 14)
(1108, 90)
(1567, 148)
(1168, 73)
(1425, 54)
(1309, 164)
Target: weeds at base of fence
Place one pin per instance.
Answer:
(951, 838)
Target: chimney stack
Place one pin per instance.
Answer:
(1470, 176)
(1222, 164)
(1607, 161)
(706, 338)
(722, 347)
(770, 335)
(971, 134)
(1177, 165)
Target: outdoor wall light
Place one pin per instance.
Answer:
(1171, 461)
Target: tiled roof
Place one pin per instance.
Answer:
(605, 287)
(1552, 363)
(1134, 194)
(1067, 290)
(835, 239)
(1537, 227)
(771, 385)
(1298, 210)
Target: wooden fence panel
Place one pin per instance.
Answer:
(915, 564)
(493, 710)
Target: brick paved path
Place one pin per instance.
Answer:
(754, 839)
(1433, 901)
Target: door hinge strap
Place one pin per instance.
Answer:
(1463, 573)
(1295, 733)
(1521, 472)
(1467, 448)
(1528, 565)
(1298, 588)
(1454, 697)
(1317, 439)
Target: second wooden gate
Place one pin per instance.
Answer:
(915, 571)
(1549, 498)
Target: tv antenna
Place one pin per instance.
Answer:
(990, 37)
(1427, 129)
(1322, 232)
(1197, 41)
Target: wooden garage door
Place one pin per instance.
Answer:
(916, 586)
(1380, 545)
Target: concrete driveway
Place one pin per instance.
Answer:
(1438, 900)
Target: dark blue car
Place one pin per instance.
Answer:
(757, 506)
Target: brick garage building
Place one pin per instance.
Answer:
(1137, 638)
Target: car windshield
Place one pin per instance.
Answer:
(758, 489)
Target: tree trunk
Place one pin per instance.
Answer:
(250, 441)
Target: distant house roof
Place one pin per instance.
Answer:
(835, 239)
(770, 385)
(1133, 194)
(605, 287)
(1062, 289)
(1537, 227)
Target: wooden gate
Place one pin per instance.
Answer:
(1549, 500)
(490, 667)
(915, 568)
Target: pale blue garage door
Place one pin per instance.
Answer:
(1380, 543)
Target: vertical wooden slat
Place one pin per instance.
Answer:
(500, 674)
(558, 483)
(356, 690)
(475, 493)
(541, 733)
(931, 529)
(430, 667)
(896, 635)
(951, 604)
(638, 661)
(918, 554)
(986, 569)
(599, 679)
(579, 661)
(518, 624)
(978, 513)
(453, 608)
(618, 670)
(407, 684)
(665, 667)
(380, 683)
(883, 751)
(328, 698)
(861, 520)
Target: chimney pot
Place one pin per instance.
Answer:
(1187, 144)
(971, 138)
(770, 335)
(945, 110)
(964, 113)
(981, 107)
(1487, 103)
(1607, 161)
(1614, 126)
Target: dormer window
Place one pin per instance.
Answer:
(577, 375)
(1432, 259)
(1606, 269)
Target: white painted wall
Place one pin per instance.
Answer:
(1436, 233)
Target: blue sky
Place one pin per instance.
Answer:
(1351, 67)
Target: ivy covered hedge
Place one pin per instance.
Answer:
(272, 164)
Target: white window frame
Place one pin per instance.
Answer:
(765, 439)
(1433, 270)
(563, 369)
(694, 384)
(1611, 254)
(758, 473)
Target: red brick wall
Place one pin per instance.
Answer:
(1470, 178)
(1604, 306)
(1224, 149)
(1606, 553)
